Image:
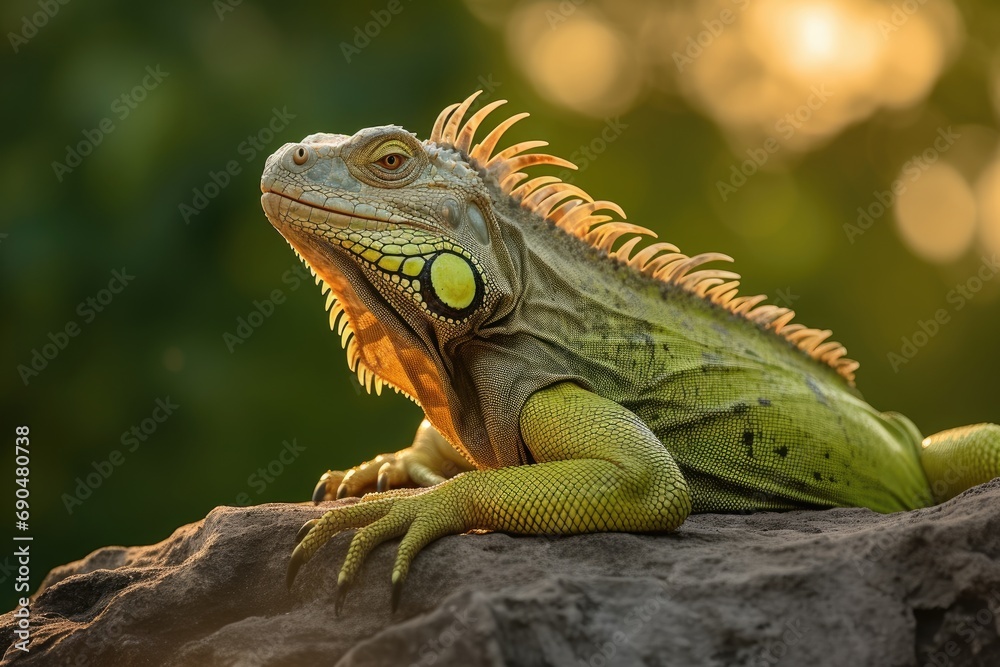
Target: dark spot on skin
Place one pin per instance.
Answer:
(781, 451)
(816, 390)
(826, 455)
(748, 442)
(711, 358)
(818, 477)
(646, 342)
(833, 479)
(798, 485)
(766, 402)
(740, 408)
(666, 348)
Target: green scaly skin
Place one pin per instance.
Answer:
(565, 392)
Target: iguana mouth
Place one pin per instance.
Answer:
(296, 211)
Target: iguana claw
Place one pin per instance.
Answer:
(294, 563)
(338, 604)
(298, 555)
(397, 589)
(319, 493)
(304, 530)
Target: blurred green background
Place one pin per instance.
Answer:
(670, 131)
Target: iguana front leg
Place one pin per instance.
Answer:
(599, 468)
(428, 461)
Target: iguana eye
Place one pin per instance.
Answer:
(392, 161)
(300, 155)
(387, 162)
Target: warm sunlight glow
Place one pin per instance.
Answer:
(779, 78)
(820, 28)
(817, 40)
(817, 34)
(748, 64)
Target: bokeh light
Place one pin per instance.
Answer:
(574, 60)
(816, 40)
(936, 214)
(988, 197)
(797, 71)
(745, 64)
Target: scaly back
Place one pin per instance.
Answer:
(574, 211)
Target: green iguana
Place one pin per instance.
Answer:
(569, 386)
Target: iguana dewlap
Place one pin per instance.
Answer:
(573, 378)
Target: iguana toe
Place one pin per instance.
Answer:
(363, 478)
(327, 486)
(392, 525)
(406, 468)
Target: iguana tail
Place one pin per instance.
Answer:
(960, 458)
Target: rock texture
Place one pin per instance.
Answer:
(837, 587)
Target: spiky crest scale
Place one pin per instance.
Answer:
(573, 210)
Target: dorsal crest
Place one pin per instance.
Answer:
(571, 209)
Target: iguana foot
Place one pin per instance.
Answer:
(429, 461)
(420, 516)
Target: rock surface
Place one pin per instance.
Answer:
(836, 587)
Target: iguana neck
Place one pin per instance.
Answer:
(599, 317)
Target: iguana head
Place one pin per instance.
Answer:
(418, 242)
(405, 234)
(410, 224)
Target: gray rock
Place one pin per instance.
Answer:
(836, 587)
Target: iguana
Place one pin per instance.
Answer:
(569, 385)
